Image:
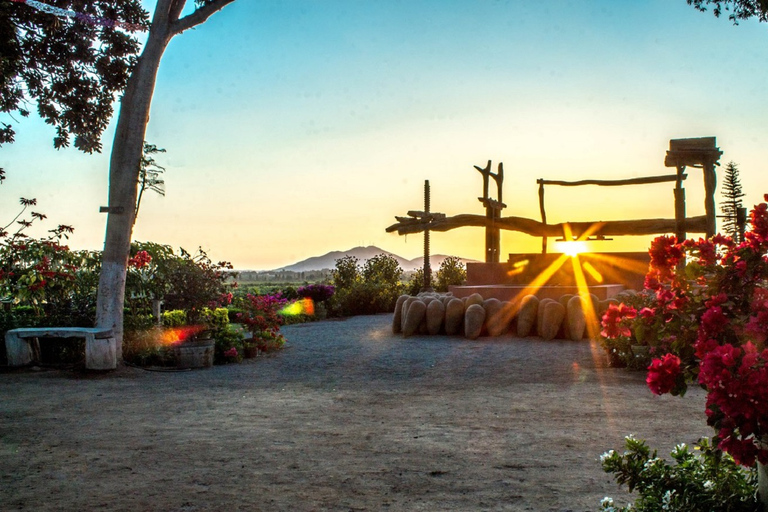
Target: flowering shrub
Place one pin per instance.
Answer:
(709, 317)
(317, 292)
(709, 480)
(260, 312)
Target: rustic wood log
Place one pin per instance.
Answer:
(614, 183)
(535, 228)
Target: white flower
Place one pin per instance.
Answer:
(709, 484)
(604, 456)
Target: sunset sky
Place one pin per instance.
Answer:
(296, 128)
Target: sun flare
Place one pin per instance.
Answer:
(573, 248)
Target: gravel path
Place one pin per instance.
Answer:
(347, 417)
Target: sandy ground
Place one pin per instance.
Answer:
(347, 417)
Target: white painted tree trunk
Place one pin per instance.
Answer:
(126, 157)
(124, 177)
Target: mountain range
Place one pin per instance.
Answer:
(363, 254)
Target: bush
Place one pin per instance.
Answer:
(710, 481)
(174, 318)
(226, 339)
(451, 272)
(372, 289)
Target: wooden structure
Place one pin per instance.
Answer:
(607, 183)
(700, 152)
(423, 218)
(493, 209)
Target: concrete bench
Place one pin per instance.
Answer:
(100, 349)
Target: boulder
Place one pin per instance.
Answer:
(540, 316)
(563, 332)
(435, 316)
(397, 318)
(474, 318)
(553, 316)
(411, 321)
(526, 317)
(495, 322)
(454, 316)
(475, 298)
(576, 320)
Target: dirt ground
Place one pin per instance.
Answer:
(347, 417)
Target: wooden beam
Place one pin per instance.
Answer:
(614, 183)
(535, 228)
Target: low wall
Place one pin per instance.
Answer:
(616, 268)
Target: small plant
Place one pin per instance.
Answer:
(702, 479)
(451, 272)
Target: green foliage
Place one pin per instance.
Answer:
(226, 339)
(195, 281)
(372, 289)
(73, 70)
(174, 318)
(415, 283)
(347, 272)
(732, 193)
(708, 480)
(451, 272)
(737, 9)
(143, 347)
(215, 319)
(149, 174)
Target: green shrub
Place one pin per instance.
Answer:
(174, 318)
(226, 339)
(451, 272)
(708, 481)
(372, 289)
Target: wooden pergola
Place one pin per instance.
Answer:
(698, 153)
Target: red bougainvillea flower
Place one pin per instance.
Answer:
(663, 374)
(665, 253)
(141, 260)
(612, 320)
(759, 220)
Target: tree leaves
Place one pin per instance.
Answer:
(73, 70)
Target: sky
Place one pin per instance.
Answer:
(296, 128)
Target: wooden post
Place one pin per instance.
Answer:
(710, 182)
(680, 205)
(543, 216)
(741, 223)
(427, 266)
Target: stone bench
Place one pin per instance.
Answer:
(100, 349)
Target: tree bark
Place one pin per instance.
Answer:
(124, 177)
(126, 158)
(762, 487)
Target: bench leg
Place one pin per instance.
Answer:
(18, 349)
(100, 354)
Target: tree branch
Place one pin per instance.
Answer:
(199, 16)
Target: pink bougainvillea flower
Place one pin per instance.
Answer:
(612, 320)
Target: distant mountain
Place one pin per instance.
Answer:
(363, 254)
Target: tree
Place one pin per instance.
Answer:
(732, 205)
(738, 9)
(451, 272)
(125, 161)
(72, 69)
(149, 174)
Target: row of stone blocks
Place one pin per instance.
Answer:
(473, 316)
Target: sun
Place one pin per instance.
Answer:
(573, 248)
